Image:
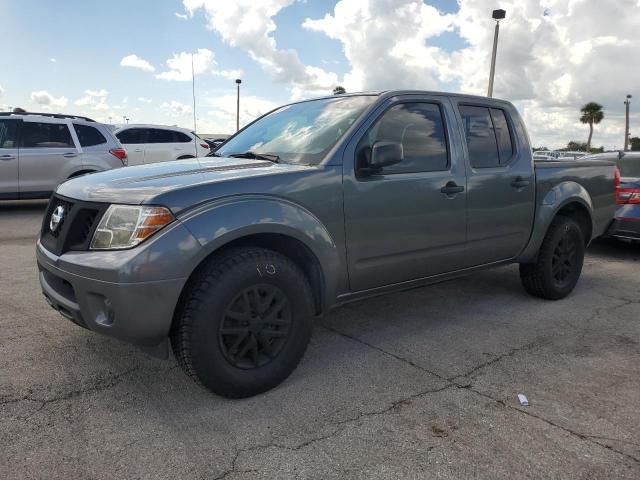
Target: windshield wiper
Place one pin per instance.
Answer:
(258, 156)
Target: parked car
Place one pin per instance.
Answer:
(40, 150)
(545, 154)
(313, 205)
(574, 155)
(214, 143)
(159, 143)
(626, 223)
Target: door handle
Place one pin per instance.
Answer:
(520, 182)
(7, 157)
(451, 188)
(137, 151)
(69, 155)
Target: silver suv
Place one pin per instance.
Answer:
(38, 151)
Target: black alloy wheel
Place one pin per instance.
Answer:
(255, 326)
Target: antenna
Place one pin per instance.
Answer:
(193, 92)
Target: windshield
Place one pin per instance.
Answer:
(300, 133)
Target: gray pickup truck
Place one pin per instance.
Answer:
(317, 203)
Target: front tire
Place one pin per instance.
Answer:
(244, 322)
(556, 272)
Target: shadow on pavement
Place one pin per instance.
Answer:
(615, 249)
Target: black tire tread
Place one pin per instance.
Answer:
(209, 273)
(532, 274)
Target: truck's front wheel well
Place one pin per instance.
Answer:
(290, 247)
(581, 216)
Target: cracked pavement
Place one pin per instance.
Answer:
(419, 384)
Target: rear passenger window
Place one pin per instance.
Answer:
(131, 135)
(46, 135)
(501, 127)
(160, 136)
(89, 136)
(179, 137)
(488, 137)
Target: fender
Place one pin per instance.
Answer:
(555, 199)
(221, 221)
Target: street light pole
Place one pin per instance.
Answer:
(627, 102)
(238, 82)
(497, 16)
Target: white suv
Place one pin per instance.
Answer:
(38, 151)
(159, 143)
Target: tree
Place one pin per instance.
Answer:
(574, 146)
(338, 90)
(635, 144)
(591, 113)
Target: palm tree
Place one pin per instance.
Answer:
(338, 90)
(591, 113)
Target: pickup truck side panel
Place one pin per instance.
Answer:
(564, 184)
(219, 223)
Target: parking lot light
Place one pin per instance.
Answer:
(238, 82)
(497, 16)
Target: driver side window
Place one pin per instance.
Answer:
(419, 128)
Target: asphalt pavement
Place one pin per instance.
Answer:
(419, 384)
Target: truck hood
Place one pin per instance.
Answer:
(149, 183)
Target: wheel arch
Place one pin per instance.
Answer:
(568, 199)
(82, 171)
(273, 224)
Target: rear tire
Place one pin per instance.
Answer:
(556, 272)
(244, 322)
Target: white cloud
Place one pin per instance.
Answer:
(144, 100)
(176, 109)
(92, 97)
(45, 99)
(53, 60)
(180, 65)
(549, 64)
(137, 62)
(183, 16)
(203, 62)
(221, 112)
(249, 25)
(1, 90)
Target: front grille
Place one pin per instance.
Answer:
(75, 230)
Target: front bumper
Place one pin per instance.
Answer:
(626, 224)
(136, 312)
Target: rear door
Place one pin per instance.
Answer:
(160, 146)
(48, 154)
(402, 223)
(500, 182)
(184, 145)
(133, 140)
(9, 130)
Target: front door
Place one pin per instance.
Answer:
(408, 220)
(9, 159)
(500, 181)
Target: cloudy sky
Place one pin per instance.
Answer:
(132, 58)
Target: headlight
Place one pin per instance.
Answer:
(125, 226)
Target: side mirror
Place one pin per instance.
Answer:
(384, 154)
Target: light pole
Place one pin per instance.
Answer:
(497, 16)
(627, 102)
(238, 82)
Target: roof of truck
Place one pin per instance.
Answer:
(393, 93)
